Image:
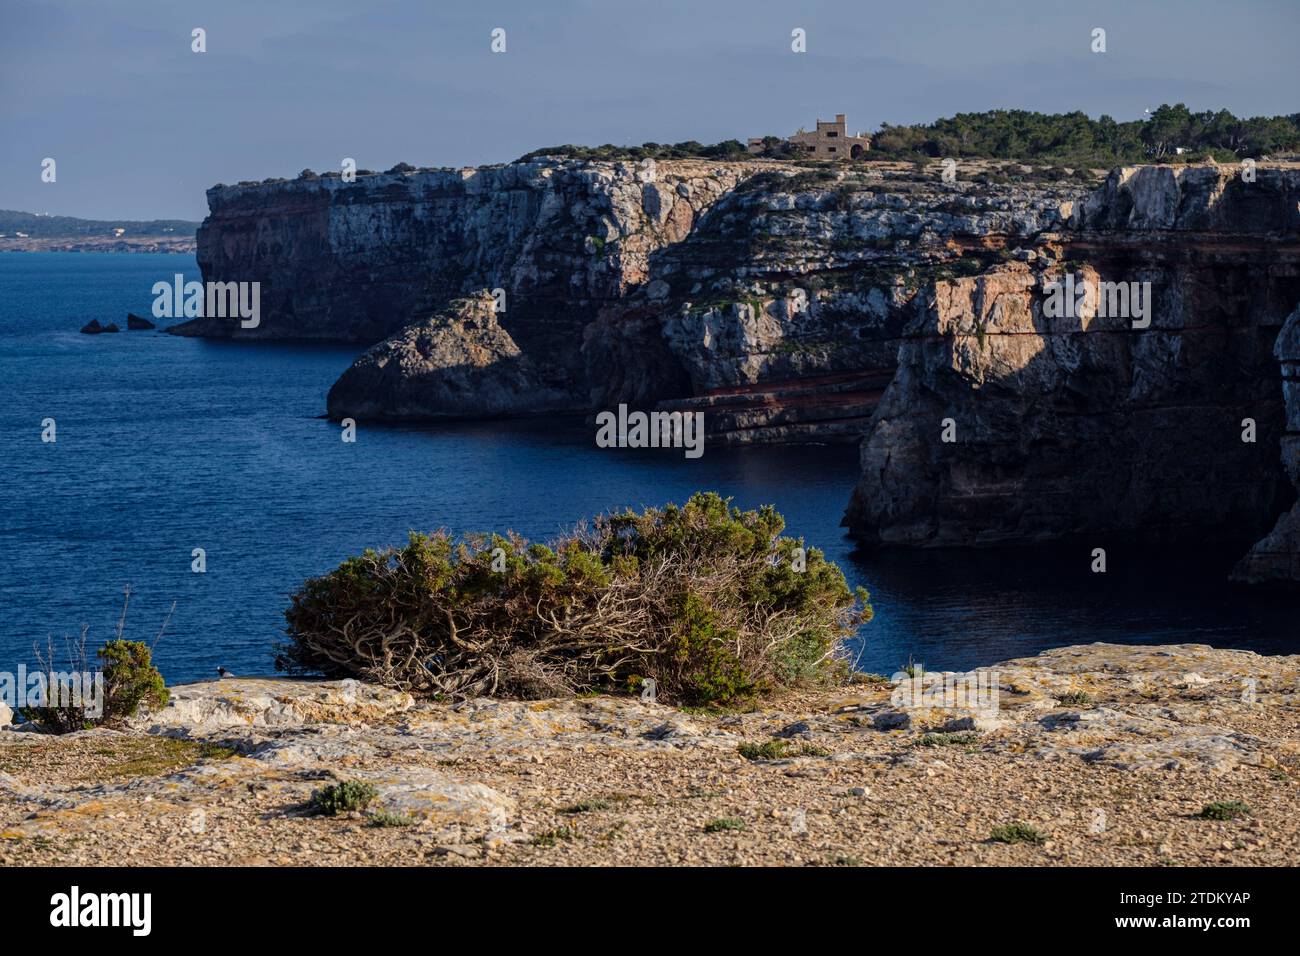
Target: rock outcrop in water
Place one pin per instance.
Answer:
(458, 364)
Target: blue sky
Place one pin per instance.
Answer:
(140, 126)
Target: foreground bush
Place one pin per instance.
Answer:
(345, 797)
(129, 681)
(709, 601)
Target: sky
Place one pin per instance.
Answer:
(140, 125)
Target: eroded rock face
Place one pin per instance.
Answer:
(458, 364)
(359, 261)
(1088, 425)
(1275, 559)
(244, 703)
(780, 315)
(778, 311)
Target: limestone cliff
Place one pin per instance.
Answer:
(1092, 425)
(873, 302)
(780, 314)
(458, 364)
(361, 261)
(1275, 559)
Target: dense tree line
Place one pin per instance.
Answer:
(1065, 138)
(727, 149)
(1077, 138)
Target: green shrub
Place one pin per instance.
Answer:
(1017, 833)
(1224, 810)
(343, 797)
(703, 598)
(1075, 698)
(551, 837)
(771, 750)
(125, 668)
(724, 823)
(948, 740)
(381, 819)
(130, 679)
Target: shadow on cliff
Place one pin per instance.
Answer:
(1104, 435)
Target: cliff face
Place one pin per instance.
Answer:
(780, 314)
(827, 305)
(1086, 424)
(1275, 559)
(460, 363)
(360, 261)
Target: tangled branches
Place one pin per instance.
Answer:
(709, 601)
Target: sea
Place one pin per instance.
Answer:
(164, 445)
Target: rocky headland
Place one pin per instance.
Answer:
(1092, 755)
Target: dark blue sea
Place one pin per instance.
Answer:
(168, 444)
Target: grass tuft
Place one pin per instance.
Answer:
(343, 797)
(1017, 833)
(724, 823)
(1224, 810)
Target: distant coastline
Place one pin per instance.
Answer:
(38, 232)
(169, 244)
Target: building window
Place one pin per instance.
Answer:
(831, 132)
(830, 149)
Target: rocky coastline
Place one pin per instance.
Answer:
(877, 304)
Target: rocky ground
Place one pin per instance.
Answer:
(1108, 755)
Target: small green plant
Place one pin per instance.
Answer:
(1076, 698)
(386, 818)
(948, 740)
(1224, 810)
(872, 679)
(345, 797)
(812, 750)
(130, 679)
(551, 837)
(126, 680)
(724, 823)
(771, 750)
(586, 806)
(1017, 833)
(210, 751)
(911, 668)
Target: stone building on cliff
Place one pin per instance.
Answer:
(829, 140)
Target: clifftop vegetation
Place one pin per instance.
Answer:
(1070, 139)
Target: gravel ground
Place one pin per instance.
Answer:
(1119, 776)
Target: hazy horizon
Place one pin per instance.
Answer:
(141, 126)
